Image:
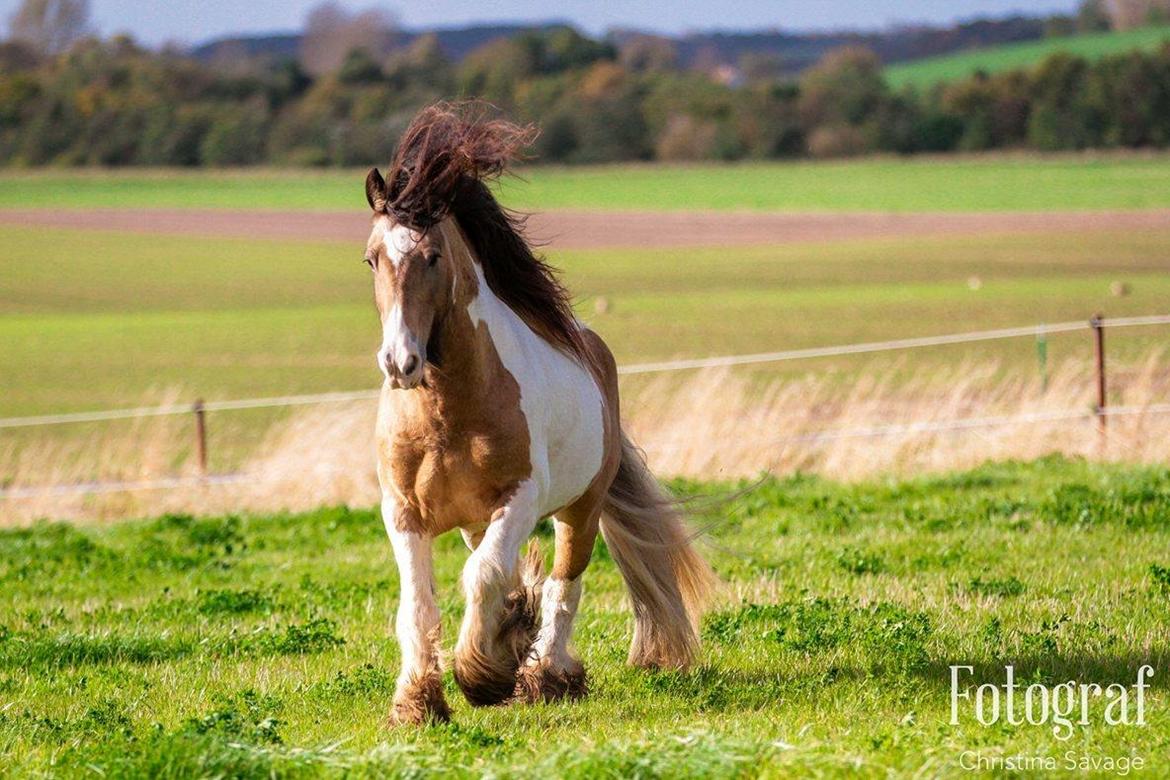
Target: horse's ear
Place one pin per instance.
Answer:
(376, 194)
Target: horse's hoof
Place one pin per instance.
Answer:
(482, 685)
(420, 702)
(537, 682)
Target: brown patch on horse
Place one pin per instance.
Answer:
(444, 159)
(485, 680)
(421, 701)
(455, 449)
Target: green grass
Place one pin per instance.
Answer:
(96, 320)
(258, 646)
(884, 184)
(928, 72)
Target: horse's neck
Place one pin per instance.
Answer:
(470, 361)
(462, 356)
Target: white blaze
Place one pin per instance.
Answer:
(398, 342)
(399, 240)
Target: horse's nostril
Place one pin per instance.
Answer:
(410, 365)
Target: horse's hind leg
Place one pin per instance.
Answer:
(551, 672)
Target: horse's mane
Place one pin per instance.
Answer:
(443, 162)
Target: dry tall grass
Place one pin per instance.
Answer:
(713, 424)
(719, 424)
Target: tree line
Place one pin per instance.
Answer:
(112, 102)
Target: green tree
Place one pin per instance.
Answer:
(1130, 95)
(421, 66)
(993, 110)
(845, 87)
(236, 136)
(359, 67)
(492, 71)
(1061, 115)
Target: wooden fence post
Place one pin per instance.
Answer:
(201, 435)
(1098, 326)
(1042, 357)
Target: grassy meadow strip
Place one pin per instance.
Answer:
(258, 645)
(231, 318)
(997, 183)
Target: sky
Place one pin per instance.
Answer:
(194, 21)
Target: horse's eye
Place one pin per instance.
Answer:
(368, 261)
(432, 258)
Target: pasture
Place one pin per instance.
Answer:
(97, 319)
(251, 644)
(258, 646)
(953, 184)
(927, 72)
(137, 315)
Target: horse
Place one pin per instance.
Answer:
(498, 409)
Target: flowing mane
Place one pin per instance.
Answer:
(441, 168)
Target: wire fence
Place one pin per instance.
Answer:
(1100, 412)
(724, 361)
(956, 426)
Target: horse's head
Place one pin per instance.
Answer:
(436, 221)
(414, 273)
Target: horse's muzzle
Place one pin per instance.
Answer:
(406, 372)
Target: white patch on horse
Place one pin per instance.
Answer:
(399, 240)
(559, 398)
(418, 614)
(398, 342)
(490, 570)
(558, 608)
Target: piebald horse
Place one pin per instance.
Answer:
(498, 409)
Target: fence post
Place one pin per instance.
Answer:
(1097, 323)
(201, 435)
(1042, 356)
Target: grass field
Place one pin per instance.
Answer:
(927, 72)
(258, 646)
(93, 319)
(98, 320)
(886, 184)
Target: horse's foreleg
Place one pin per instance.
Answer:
(551, 671)
(418, 697)
(497, 624)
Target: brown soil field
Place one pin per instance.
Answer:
(597, 229)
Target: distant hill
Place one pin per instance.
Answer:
(793, 51)
(456, 42)
(927, 72)
(279, 46)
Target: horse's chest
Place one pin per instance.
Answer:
(459, 479)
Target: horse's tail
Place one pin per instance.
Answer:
(668, 581)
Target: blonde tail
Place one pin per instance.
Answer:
(669, 583)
